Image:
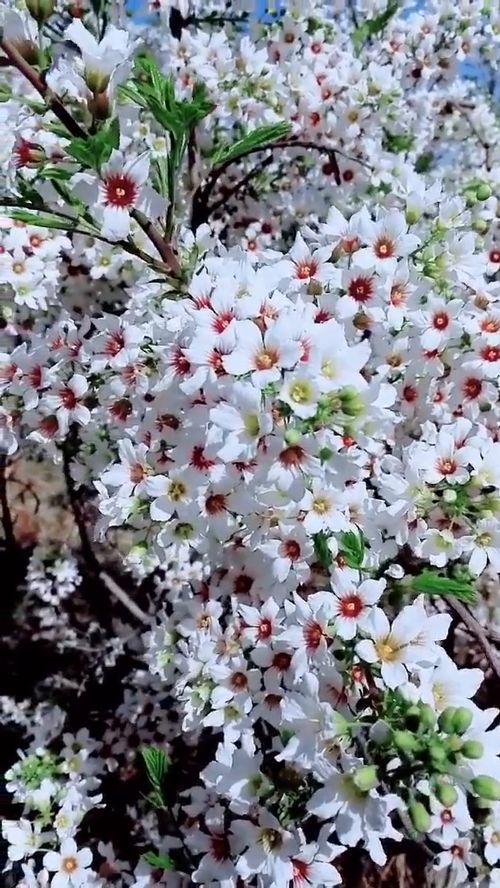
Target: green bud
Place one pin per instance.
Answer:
(446, 794)
(462, 720)
(41, 10)
(454, 743)
(419, 816)
(405, 741)
(412, 215)
(365, 778)
(472, 749)
(480, 226)
(486, 787)
(427, 716)
(483, 191)
(470, 197)
(438, 756)
(445, 720)
(292, 436)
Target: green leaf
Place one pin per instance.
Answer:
(424, 162)
(95, 150)
(352, 548)
(374, 26)
(258, 138)
(321, 549)
(43, 220)
(432, 583)
(160, 861)
(156, 764)
(397, 142)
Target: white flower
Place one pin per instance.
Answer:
(69, 864)
(99, 59)
(394, 647)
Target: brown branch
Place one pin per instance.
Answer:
(7, 522)
(37, 83)
(163, 247)
(476, 630)
(201, 210)
(91, 561)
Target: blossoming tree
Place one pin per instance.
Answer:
(250, 277)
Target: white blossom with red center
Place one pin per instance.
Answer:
(353, 602)
(120, 188)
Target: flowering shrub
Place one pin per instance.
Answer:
(252, 315)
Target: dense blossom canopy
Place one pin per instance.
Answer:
(251, 300)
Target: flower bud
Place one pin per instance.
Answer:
(454, 743)
(483, 191)
(462, 720)
(427, 716)
(405, 741)
(445, 720)
(472, 749)
(486, 787)
(419, 816)
(480, 226)
(446, 794)
(438, 756)
(412, 215)
(292, 436)
(41, 10)
(365, 778)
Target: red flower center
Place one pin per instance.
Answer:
(114, 343)
(472, 387)
(305, 269)
(68, 398)
(219, 848)
(351, 606)
(120, 190)
(290, 549)
(313, 633)
(490, 325)
(301, 871)
(446, 466)
(494, 256)
(410, 393)
(215, 504)
(440, 320)
(361, 289)
(384, 247)
(491, 353)
(282, 661)
(265, 628)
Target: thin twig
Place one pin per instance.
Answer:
(120, 594)
(200, 209)
(476, 630)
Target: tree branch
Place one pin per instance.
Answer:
(476, 630)
(201, 210)
(7, 522)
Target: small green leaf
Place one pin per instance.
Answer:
(352, 548)
(321, 549)
(43, 220)
(260, 137)
(95, 150)
(431, 583)
(159, 861)
(374, 26)
(397, 143)
(156, 764)
(424, 162)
